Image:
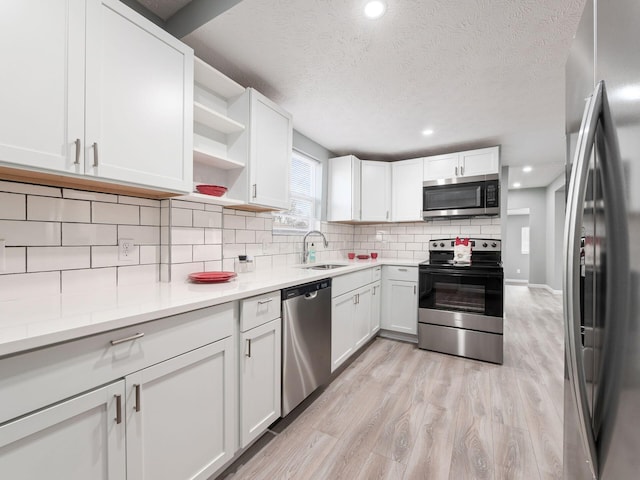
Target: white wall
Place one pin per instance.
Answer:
(554, 198)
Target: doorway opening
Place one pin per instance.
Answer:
(516, 258)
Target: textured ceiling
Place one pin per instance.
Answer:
(478, 72)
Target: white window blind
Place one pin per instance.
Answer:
(304, 191)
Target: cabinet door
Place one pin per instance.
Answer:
(375, 186)
(362, 317)
(441, 166)
(42, 94)
(260, 380)
(480, 162)
(343, 203)
(406, 190)
(269, 153)
(400, 307)
(181, 415)
(376, 305)
(139, 100)
(342, 334)
(76, 439)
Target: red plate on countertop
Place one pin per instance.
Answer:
(211, 277)
(363, 257)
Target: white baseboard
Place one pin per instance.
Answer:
(515, 281)
(545, 287)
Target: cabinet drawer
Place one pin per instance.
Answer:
(345, 283)
(42, 377)
(255, 311)
(395, 272)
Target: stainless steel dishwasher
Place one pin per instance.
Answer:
(306, 341)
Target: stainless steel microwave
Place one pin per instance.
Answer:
(461, 197)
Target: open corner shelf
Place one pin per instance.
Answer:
(199, 197)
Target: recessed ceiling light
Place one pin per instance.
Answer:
(527, 169)
(516, 185)
(374, 9)
(428, 131)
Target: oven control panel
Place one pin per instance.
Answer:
(477, 245)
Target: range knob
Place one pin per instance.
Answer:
(494, 244)
(441, 244)
(435, 244)
(485, 245)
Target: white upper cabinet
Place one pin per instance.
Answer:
(117, 101)
(343, 202)
(359, 190)
(139, 124)
(406, 188)
(42, 87)
(266, 142)
(375, 191)
(470, 163)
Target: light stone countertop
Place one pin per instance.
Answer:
(31, 323)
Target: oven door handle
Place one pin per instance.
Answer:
(469, 273)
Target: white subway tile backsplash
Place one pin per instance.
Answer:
(147, 202)
(207, 252)
(212, 236)
(13, 206)
(255, 223)
(451, 230)
(24, 234)
(88, 234)
(94, 196)
(234, 221)
(57, 209)
(74, 281)
(150, 216)
(188, 205)
(207, 219)
(115, 213)
(141, 235)
(181, 254)
(212, 208)
(228, 236)
(264, 237)
(107, 256)
(29, 189)
(15, 260)
(215, 266)
(149, 254)
(405, 238)
(233, 250)
(138, 274)
(490, 229)
(181, 217)
(187, 236)
(32, 284)
(42, 259)
(180, 271)
(245, 236)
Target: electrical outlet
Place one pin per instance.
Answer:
(518, 270)
(125, 250)
(3, 255)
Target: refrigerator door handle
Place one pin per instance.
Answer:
(571, 297)
(596, 115)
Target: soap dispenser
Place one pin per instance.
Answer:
(312, 253)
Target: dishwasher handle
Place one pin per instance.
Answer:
(310, 295)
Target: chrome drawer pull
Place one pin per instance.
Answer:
(402, 269)
(118, 409)
(262, 302)
(78, 147)
(137, 406)
(127, 339)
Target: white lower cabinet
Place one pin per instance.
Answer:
(76, 439)
(179, 415)
(260, 379)
(353, 312)
(376, 305)
(400, 299)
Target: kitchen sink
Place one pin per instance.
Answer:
(326, 266)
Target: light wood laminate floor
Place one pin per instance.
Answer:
(398, 412)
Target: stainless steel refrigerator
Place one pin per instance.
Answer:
(602, 245)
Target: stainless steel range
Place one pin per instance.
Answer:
(461, 305)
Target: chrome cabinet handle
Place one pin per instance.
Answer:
(255, 190)
(387, 215)
(617, 297)
(402, 269)
(355, 299)
(118, 409)
(456, 171)
(138, 405)
(414, 289)
(248, 354)
(127, 339)
(262, 302)
(461, 170)
(95, 154)
(78, 147)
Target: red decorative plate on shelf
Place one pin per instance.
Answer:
(362, 257)
(215, 190)
(211, 277)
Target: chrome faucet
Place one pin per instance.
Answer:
(304, 243)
